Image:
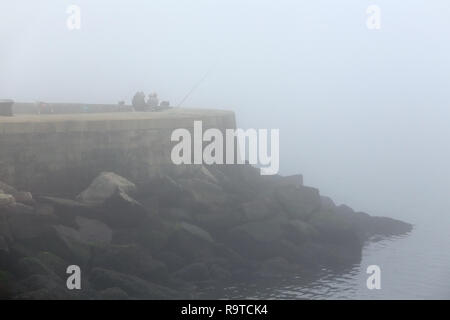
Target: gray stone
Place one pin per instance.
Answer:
(195, 231)
(133, 286)
(24, 197)
(93, 231)
(204, 192)
(106, 185)
(298, 202)
(6, 200)
(193, 272)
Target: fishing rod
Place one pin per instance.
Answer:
(196, 85)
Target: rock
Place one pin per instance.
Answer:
(257, 240)
(388, 226)
(165, 189)
(5, 230)
(6, 284)
(65, 208)
(27, 225)
(93, 231)
(41, 287)
(106, 185)
(193, 272)
(172, 260)
(64, 242)
(275, 267)
(195, 231)
(204, 192)
(4, 248)
(190, 242)
(132, 259)
(295, 180)
(6, 200)
(177, 214)
(135, 287)
(299, 231)
(54, 263)
(298, 202)
(262, 231)
(218, 273)
(29, 266)
(114, 293)
(7, 189)
(327, 203)
(24, 197)
(336, 229)
(218, 219)
(123, 211)
(259, 209)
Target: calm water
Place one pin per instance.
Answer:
(416, 266)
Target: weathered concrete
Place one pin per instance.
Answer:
(63, 153)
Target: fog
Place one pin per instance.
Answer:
(363, 114)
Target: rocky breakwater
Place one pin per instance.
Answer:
(185, 228)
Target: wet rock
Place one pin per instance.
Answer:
(106, 185)
(135, 287)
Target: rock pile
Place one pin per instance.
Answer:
(184, 228)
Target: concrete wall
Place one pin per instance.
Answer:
(63, 153)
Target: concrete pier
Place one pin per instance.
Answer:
(63, 153)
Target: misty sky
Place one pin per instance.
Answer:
(363, 114)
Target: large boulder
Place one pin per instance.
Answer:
(105, 186)
(120, 210)
(93, 231)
